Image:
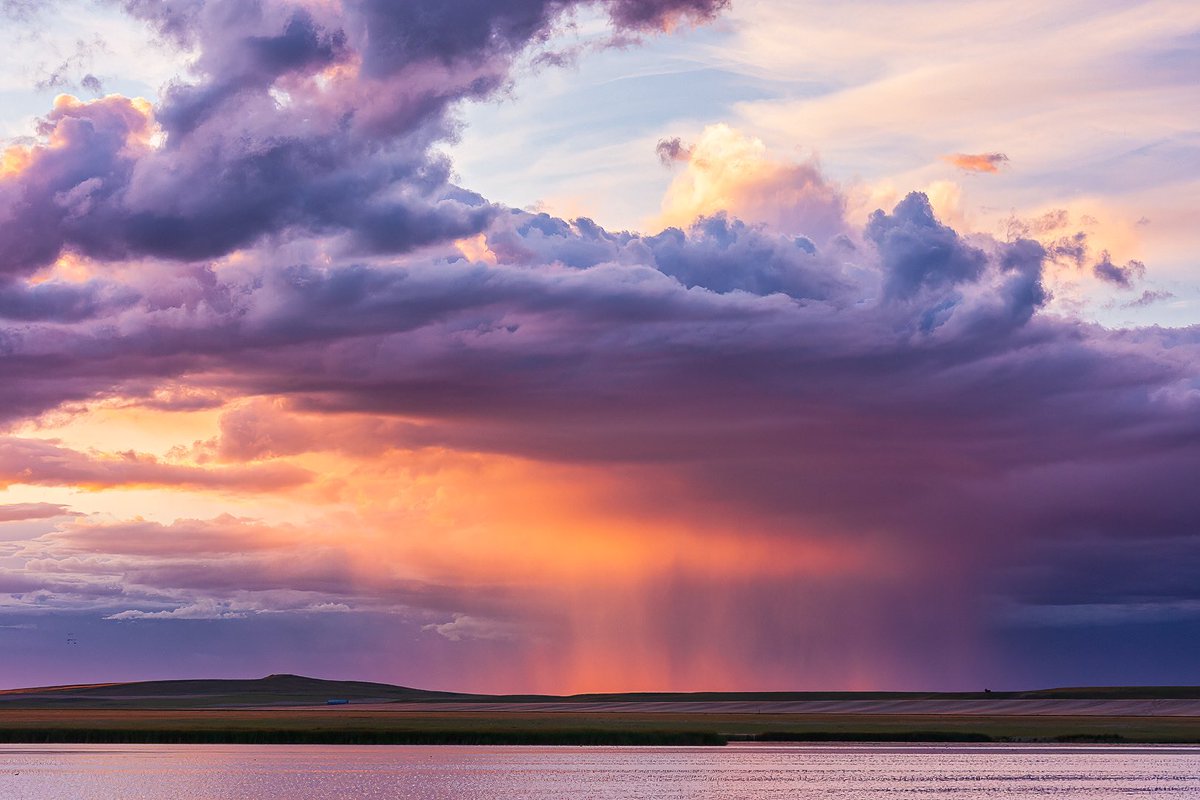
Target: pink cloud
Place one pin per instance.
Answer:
(48, 463)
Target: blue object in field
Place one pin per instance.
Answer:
(337, 702)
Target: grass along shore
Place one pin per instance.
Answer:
(270, 726)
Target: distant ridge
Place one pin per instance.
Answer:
(297, 690)
(273, 690)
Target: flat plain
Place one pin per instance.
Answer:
(297, 710)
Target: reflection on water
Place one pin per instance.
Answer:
(753, 772)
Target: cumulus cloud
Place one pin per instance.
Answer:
(297, 119)
(919, 251)
(729, 171)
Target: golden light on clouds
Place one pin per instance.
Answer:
(476, 249)
(68, 268)
(726, 170)
(13, 160)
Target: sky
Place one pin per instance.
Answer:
(600, 345)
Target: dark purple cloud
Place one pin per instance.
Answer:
(651, 14)
(58, 198)
(295, 121)
(247, 65)
(1073, 248)
(64, 302)
(493, 358)
(1122, 276)
(717, 253)
(920, 252)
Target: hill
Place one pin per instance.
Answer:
(271, 691)
(296, 690)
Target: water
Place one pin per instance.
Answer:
(749, 772)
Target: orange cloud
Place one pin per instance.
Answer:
(977, 162)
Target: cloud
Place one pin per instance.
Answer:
(208, 609)
(55, 301)
(1072, 248)
(1122, 277)
(672, 150)
(663, 14)
(718, 253)
(47, 463)
(1149, 297)
(463, 627)
(977, 162)
(498, 349)
(729, 171)
(222, 568)
(19, 512)
(221, 536)
(918, 251)
(299, 119)
(61, 76)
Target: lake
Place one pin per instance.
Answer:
(853, 772)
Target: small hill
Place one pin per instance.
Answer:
(271, 691)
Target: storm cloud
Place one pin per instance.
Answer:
(885, 411)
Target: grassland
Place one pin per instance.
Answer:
(383, 727)
(290, 709)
